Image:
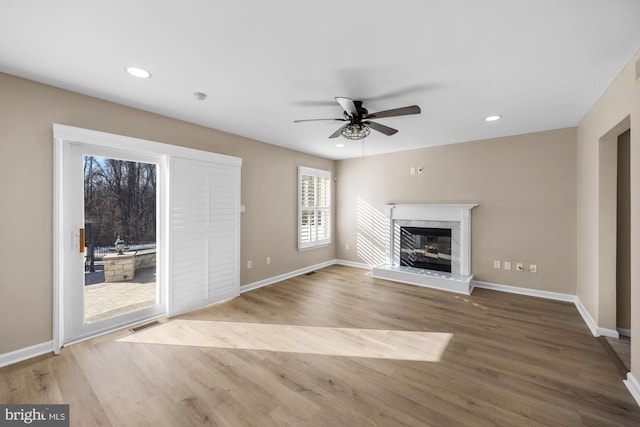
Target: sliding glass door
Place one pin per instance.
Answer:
(111, 210)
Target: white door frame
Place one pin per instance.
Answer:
(64, 136)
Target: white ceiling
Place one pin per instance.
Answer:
(540, 63)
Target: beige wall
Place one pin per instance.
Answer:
(27, 112)
(525, 187)
(617, 110)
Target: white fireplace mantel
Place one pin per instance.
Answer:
(457, 217)
(438, 212)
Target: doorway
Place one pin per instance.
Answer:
(111, 214)
(623, 252)
(622, 345)
(613, 236)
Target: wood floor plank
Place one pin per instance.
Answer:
(509, 360)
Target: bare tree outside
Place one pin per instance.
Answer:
(120, 200)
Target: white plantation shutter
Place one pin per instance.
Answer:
(314, 207)
(204, 233)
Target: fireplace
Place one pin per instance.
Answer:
(429, 245)
(424, 247)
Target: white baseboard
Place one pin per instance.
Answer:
(633, 386)
(25, 353)
(591, 324)
(524, 291)
(606, 332)
(595, 329)
(624, 332)
(353, 264)
(271, 280)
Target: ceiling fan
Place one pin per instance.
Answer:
(358, 119)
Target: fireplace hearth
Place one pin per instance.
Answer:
(429, 245)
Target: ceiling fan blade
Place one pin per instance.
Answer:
(338, 132)
(348, 105)
(404, 111)
(381, 128)
(318, 120)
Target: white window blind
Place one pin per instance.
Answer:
(314, 207)
(205, 229)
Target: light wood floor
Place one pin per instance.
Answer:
(484, 360)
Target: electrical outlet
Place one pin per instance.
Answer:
(507, 265)
(412, 171)
(519, 266)
(496, 264)
(346, 246)
(249, 265)
(268, 260)
(533, 268)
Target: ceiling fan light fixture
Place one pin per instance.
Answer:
(355, 131)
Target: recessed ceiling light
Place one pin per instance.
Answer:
(138, 72)
(340, 144)
(492, 118)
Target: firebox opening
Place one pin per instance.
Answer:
(428, 248)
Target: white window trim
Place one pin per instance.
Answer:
(303, 170)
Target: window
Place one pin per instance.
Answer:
(314, 208)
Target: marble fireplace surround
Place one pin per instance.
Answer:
(456, 217)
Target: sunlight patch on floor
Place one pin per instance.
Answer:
(346, 342)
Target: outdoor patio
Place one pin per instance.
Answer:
(103, 300)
